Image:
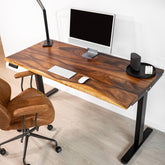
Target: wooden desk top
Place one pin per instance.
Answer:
(108, 78)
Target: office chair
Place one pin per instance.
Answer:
(26, 112)
(22, 75)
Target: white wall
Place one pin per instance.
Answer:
(140, 28)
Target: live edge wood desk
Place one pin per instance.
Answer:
(108, 79)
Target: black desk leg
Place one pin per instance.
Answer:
(40, 86)
(140, 136)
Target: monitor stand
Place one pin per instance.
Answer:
(90, 53)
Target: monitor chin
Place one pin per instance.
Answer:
(94, 47)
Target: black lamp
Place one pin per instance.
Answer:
(47, 42)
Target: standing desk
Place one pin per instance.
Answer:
(108, 79)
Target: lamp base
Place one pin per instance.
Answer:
(48, 43)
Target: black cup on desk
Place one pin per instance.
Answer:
(135, 62)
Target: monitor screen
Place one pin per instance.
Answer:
(96, 28)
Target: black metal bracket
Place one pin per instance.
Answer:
(24, 130)
(13, 65)
(140, 135)
(37, 128)
(31, 80)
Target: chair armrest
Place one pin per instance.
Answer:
(23, 74)
(30, 110)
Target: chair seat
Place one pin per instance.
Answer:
(27, 111)
(30, 97)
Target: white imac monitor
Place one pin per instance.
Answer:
(91, 30)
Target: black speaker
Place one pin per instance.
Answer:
(135, 62)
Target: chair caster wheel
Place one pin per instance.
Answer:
(19, 130)
(58, 149)
(50, 127)
(2, 151)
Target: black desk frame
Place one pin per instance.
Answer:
(140, 135)
(40, 86)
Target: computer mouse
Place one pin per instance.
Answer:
(83, 79)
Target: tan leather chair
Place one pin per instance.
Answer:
(26, 112)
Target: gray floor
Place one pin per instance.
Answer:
(88, 134)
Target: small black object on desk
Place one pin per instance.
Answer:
(138, 69)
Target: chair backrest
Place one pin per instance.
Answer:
(5, 94)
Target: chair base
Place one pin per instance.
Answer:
(27, 134)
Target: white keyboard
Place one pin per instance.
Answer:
(62, 72)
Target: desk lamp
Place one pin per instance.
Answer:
(47, 42)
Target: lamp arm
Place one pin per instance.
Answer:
(48, 41)
(46, 26)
